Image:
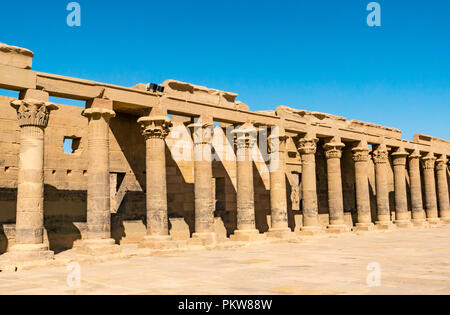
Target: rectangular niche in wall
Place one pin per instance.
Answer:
(71, 145)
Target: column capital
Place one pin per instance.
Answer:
(441, 163)
(399, 157)
(31, 112)
(97, 112)
(202, 132)
(360, 154)
(276, 142)
(155, 127)
(245, 135)
(429, 161)
(333, 150)
(245, 141)
(415, 155)
(307, 145)
(380, 155)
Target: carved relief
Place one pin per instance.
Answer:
(380, 156)
(428, 162)
(441, 164)
(157, 127)
(307, 145)
(32, 112)
(333, 150)
(360, 154)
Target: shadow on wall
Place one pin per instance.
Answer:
(132, 208)
(225, 198)
(63, 214)
(3, 240)
(321, 179)
(64, 217)
(262, 201)
(290, 212)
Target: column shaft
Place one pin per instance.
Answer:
(30, 190)
(307, 149)
(333, 153)
(203, 131)
(245, 190)
(418, 213)
(441, 173)
(33, 116)
(155, 129)
(430, 188)
(246, 225)
(361, 158)
(157, 217)
(380, 157)
(278, 200)
(402, 216)
(98, 195)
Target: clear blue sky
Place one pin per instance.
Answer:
(316, 55)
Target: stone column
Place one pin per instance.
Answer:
(441, 173)
(245, 143)
(380, 157)
(33, 115)
(155, 129)
(402, 216)
(418, 214)
(307, 149)
(431, 209)
(99, 241)
(202, 131)
(361, 158)
(333, 154)
(278, 200)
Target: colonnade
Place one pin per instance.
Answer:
(33, 117)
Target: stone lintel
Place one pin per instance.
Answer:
(16, 56)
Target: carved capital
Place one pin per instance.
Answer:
(155, 127)
(245, 142)
(333, 150)
(428, 162)
(307, 145)
(415, 155)
(202, 133)
(380, 156)
(276, 143)
(97, 112)
(441, 164)
(399, 157)
(245, 136)
(360, 154)
(32, 112)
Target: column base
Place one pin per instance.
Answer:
(434, 221)
(337, 228)
(161, 242)
(28, 252)
(403, 223)
(98, 247)
(247, 236)
(284, 233)
(363, 227)
(445, 220)
(385, 225)
(203, 239)
(419, 222)
(311, 230)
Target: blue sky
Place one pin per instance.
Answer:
(315, 55)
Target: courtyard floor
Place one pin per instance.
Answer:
(411, 261)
